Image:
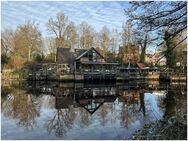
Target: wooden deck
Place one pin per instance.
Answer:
(114, 75)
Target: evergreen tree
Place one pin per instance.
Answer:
(170, 52)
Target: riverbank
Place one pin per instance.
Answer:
(174, 128)
(12, 74)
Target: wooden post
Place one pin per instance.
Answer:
(74, 71)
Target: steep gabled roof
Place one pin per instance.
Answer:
(86, 102)
(81, 55)
(64, 55)
(141, 65)
(63, 102)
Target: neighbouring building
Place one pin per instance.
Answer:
(181, 59)
(148, 59)
(158, 59)
(184, 62)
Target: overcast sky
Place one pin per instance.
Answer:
(97, 14)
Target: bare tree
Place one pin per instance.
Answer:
(159, 15)
(58, 26)
(7, 41)
(130, 50)
(105, 40)
(49, 44)
(86, 35)
(96, 40)
(114, 40)
(71, 35)
(143, 40)
(126, 35)
(7, 46)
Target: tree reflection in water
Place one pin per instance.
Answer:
(23, 107)
(62, 120)
(26, 111)
(84, 117)
(175, 103)
(56, 124)
(130, 107)
(6, 100)
(142, 104)
(103, 111)
(170, 104)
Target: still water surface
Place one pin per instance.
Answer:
(45, 110)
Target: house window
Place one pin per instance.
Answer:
(90, 55)
(94, 56)
(49, 68)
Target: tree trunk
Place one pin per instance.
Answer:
(29, 55)
(143, 50)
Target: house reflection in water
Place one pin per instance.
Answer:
(62, 102)
(92, 98)
(88, 98)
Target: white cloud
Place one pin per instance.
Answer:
(96, 14)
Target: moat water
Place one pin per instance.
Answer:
(54, 110)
